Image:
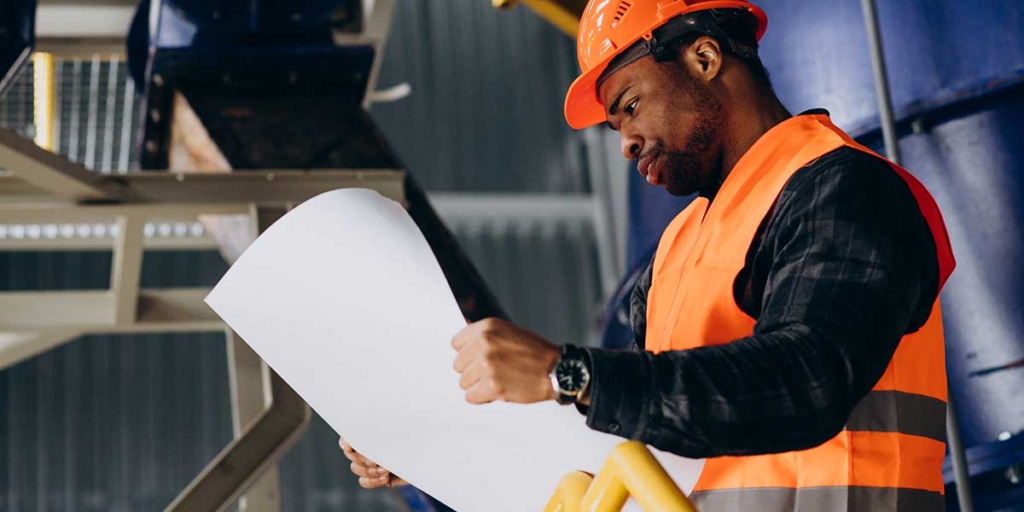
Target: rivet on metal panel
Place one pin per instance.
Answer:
(1013, 474)
(917, 125)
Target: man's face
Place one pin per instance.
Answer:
(670, 123)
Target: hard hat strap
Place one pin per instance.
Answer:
(707, 22)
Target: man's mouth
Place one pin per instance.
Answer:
(648, 168)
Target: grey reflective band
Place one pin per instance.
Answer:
(819, 499)
(897, 411)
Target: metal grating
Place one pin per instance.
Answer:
(95, 109)
(96, 105)
(16, 107)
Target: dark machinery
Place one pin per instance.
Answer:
(17, 37)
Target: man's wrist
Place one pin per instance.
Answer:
(571, 375)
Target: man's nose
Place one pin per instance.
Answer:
(631, 146)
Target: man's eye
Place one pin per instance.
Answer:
(631, 107)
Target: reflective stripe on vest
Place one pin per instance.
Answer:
(821, 499)
(892, 448)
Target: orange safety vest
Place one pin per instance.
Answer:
(889, 456)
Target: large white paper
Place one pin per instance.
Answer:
(345, 300)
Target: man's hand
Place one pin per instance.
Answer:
(371, 476)
(499, 361)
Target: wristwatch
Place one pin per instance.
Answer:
(571, 375)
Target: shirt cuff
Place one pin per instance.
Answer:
(618, 392)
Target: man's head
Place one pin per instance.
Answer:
(668, 93)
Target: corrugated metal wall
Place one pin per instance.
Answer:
(485, 113)
(122, 423)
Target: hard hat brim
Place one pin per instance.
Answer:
(583, 109)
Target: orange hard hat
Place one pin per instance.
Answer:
(609, 28)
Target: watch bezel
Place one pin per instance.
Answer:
(575, 357)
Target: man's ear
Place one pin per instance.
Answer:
(703, 58)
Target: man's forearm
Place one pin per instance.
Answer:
(777, 392)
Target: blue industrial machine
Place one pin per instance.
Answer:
(956, 75)
(260, 76)
(17, 36)
(276, 84)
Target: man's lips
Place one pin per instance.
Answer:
(648, 169)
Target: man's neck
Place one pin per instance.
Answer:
(748, 120)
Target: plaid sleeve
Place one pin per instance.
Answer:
(846, 267)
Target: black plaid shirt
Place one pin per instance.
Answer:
(842, 267)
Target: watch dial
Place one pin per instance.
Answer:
(571, 375)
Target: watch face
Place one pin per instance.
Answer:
(572, 374)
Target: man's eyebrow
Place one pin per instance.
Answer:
(615, 104)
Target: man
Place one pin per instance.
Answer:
(790, 320)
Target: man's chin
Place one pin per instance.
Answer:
(680, 189)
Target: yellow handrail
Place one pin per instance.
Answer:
(43, 99)
(563, 14)
(630, 471)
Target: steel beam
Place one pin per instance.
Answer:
(251, 395)
(88, 312)
(126, 269)
(264, 187)
(16, 347)
(275, 187)
(53, 173)
(81, 20)
(80, 29)
(241, 463)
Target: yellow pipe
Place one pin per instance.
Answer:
(551, 10)
(44, 95)
(566, 21)
(630, 471)
(570, 492)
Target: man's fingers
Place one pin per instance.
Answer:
(361, 470)
(482, 392)
(373, 483)
(466, 356)
(472, 374)
(355, 456)
(470, 333)
(462, 338)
